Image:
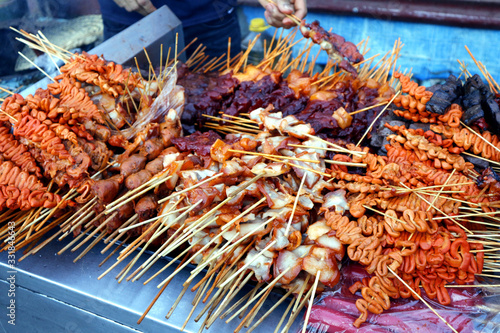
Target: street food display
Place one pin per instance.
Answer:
(270, 175)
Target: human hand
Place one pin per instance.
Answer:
(276, 11)
(143, 7)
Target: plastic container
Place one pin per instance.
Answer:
(257, 26)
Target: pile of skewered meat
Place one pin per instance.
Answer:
(298, 94)
(70, 131)
(284, 204)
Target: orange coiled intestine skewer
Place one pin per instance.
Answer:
(14, 198)
(425, 150)
(110, 77)
(400, 203)
(75, 98)
(45, 199)
(12, 175)
(13, 106)
(432, 176)
(64, 132)
(452, 116)
(358, 187)
(420, 251)
(40, 133)
(11, 149)
(416, 99)
(412, 88)
(411, 104)
(409, 220)
(378, 170)
(466, 139)
(416, 117)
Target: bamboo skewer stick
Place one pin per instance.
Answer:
(273, 156)
(376, 118)
(478, 64)
(309, 307)
(231, 121)
(359, 165)
(131, 195)
(296, 312)
(300, 167)
(269, 286)
(171, 276)
(155, 299)
(439, 210)
(37, 67)
(7, 91)
(102, 225)
(151, 220)
(197, 302)
(341, 149)
(481, 158)
(232, 292)
(480, 136)
(248, 264)
(487, 214)
(211, 304)
(441, 189)
(91, 245)
(420, 298)
(272, 309)
(111, 239)
(226, 248)
(190, 188)
(288, 225)
(367, 108)
(114, 251)
(253, 312)
(278, 326)
(250, 294)
(54, 210)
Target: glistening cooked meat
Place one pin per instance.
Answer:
(146, 207)
(197, 142)
(334, 45)
(137, 179)
(107, 189)
(132, 165)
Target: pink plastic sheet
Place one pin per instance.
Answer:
(471, 310)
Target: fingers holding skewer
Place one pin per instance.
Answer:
(284, 13)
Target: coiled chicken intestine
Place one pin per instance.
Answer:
(75, 98)
(110, 77)
(358, 187)
(425, 150)
(450, 118)
(11, 175)
(411, 104)
(423, 117)
(411, 201)
(43, 136)
(11, 149)
(412, 88)
(12, 106)
(14, 198)
(465, 138)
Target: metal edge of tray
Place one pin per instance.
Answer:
(55, 294)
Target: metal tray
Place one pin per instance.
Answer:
(53, 294)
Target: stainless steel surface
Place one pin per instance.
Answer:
(159, 27)
(53, 294)
(156, 29)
